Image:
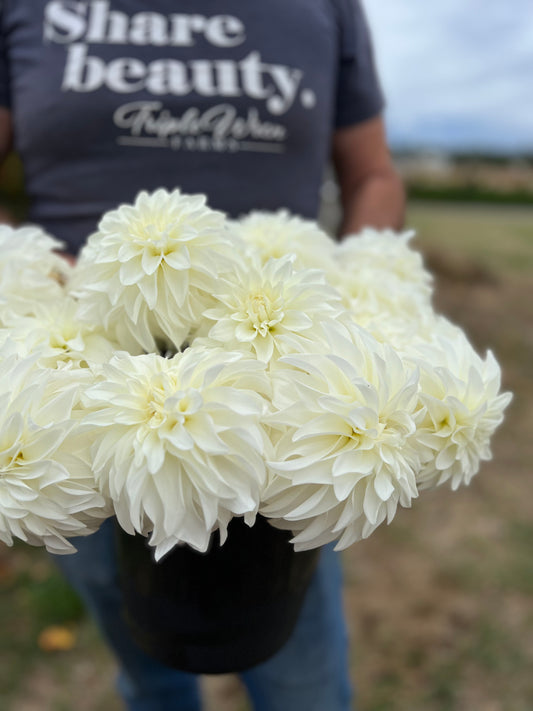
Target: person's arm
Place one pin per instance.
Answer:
(372, 193)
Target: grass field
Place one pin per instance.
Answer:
(440, 603)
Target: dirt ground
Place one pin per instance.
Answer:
(440, 603)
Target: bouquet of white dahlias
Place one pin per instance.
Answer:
(190, 369)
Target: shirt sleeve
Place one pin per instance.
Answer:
(5, 93)
(359, 94)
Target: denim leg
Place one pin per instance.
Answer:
(144, 683)
(311, 671)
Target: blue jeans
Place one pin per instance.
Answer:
(310, 673)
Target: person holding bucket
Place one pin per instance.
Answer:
(246, 103)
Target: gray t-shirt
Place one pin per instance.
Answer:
(232, 98)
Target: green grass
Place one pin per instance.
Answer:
(32, 597)
(497, 237)
(516, 573)
(469, 194)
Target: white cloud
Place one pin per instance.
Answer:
(456, 73)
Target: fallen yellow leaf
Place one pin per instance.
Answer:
(56, 639)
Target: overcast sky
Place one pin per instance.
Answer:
(457, 73)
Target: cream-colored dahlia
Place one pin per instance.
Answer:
(271, 310)
(30, 270)
(378, 298)
(178, 443)
(273, 235)
(460, 406)
(149, 270)
(387, 252)
(55, 330)
(47, 491)
(399, 332)
(346, 457)
(384, 284)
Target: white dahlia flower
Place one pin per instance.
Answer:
(56, 331)
(383, 283)
(376, 298)
(29, 269)
(346, 457)
(460, 407)
(271, 310)
(385, 251)
(47, 491)
(399, 332)
(149, 270)
(178, 443)
(275, 234)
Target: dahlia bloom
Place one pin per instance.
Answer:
(346, 456)
(55, 330)
(460, 407)
(273, 235)
(29, 267)
(384, 284)
(388, 252)
(149, 270)
(178, 443)
(47, 491)
(271, 310)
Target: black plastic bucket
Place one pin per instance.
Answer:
(221, 611)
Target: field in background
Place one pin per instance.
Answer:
(468, 177)
(440, 603)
